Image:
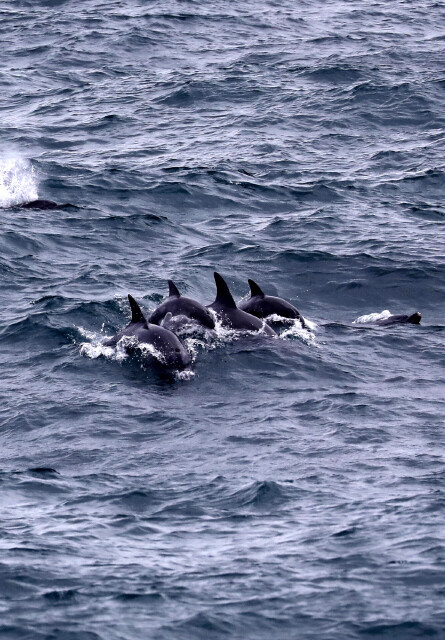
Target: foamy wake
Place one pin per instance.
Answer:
(18, 181)
(372, 317)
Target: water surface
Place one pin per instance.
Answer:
(290, 488)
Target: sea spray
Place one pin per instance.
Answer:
(18, 181)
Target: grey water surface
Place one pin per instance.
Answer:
(287, 488)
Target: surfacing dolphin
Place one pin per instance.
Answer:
(179, 305)
(262, 306)
(232, 317)
(181, 325)
(40, 204)
(415, 318)
(173, 353)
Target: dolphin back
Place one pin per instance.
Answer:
(181, 306)
(400, 319)
(39, 204)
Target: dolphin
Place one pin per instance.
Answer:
(179, 305)
(232, 317)
(180, 325)
(40, 204)
(262, 306)
(173, 353)
(415, 318)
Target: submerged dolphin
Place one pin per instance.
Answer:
(173, 353)
(262, 306)
(179, 305)
(40, 204)
(181, 325)
(232, 317)
(415, 318)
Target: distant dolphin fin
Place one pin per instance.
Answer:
(255, 289)
(168, 316)
(136, 313)
(223, 295)
(173, 289)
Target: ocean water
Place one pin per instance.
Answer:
(287, 488)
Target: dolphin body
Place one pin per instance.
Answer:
(231, 316)
(176, 324)
(182, 326)
(40, 204)
(262, 306)
(173, 353)
(179, 305)
(415, 318)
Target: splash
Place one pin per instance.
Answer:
(311, 326)
(95, 348)
(195, 339)
(186, 375)
(295, 330)
(292, 329)
(18, 181)
(372, 317)
(144, 348)
(224, 334)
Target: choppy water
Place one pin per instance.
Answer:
(290, 488)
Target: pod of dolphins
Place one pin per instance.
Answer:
(159, 330)
(253, 314)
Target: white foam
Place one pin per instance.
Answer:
(143, 347)
(18, 181)
(223, 334)
(296, 330)
(205, 340)
(94, 350)
(95, 347)
(372, 317)
(187, 374)
(312, 326)
(226, 334)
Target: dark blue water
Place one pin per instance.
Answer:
(289, 488)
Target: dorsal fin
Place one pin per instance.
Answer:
(168, 316)
(223, 295)
(136, 313)
(173, 289)
(255, 289)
